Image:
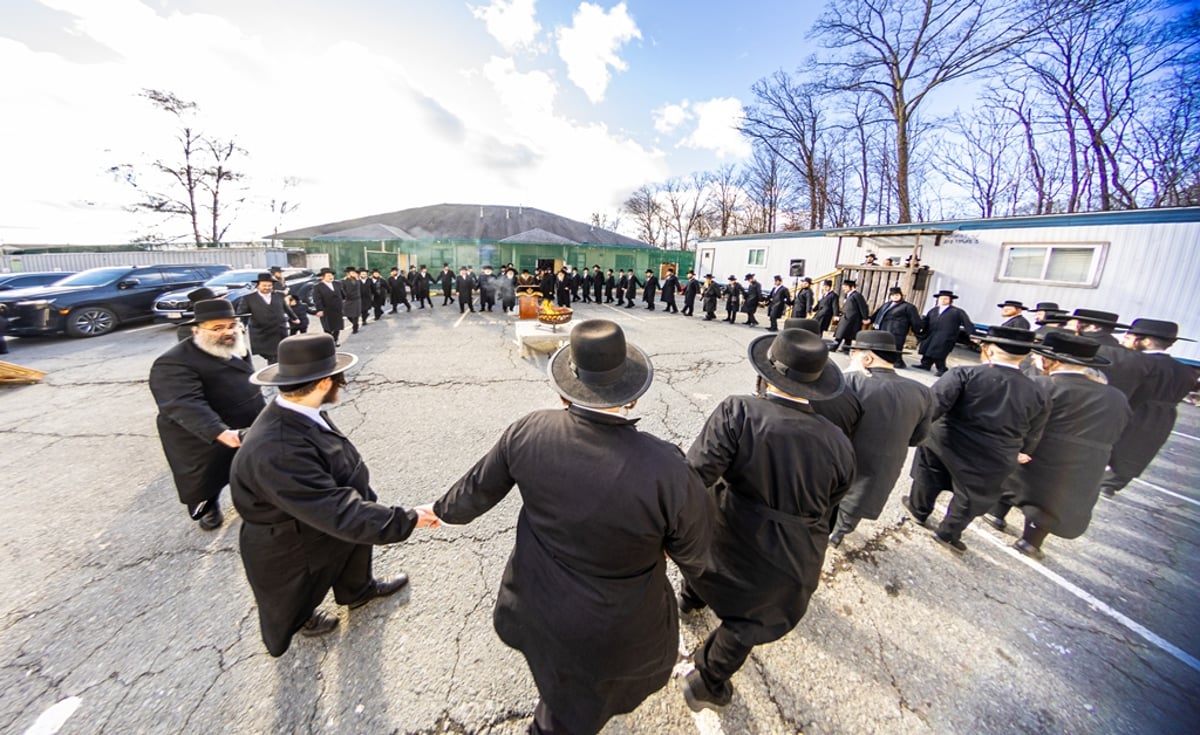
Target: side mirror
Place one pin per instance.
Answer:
(128, 283)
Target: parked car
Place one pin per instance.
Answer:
(10, 281)
(232, 285)
(95, 301)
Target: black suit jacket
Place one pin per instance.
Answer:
(268, 322)
(327, 298)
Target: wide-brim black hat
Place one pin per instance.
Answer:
(1010, 302)
(598, 368)
(1008, 337)
(207, 310)
(808, 325)
(264, 276)
(1066, 347)
(1049, 307)
(797, 362)
(304, 358)
(1157, 328)
(944, 292)
(1090, 316)
(877, 341)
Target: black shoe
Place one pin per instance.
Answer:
(940, 373)
(212, 519)
(698, 696)
(919, 366)
(772, 329)
(920, 519)
(835, 538)
(687, 606)
(380, 589)
(1028, 549)
(995, 522)
(953, 544)
(319, 624)
(1108, 492)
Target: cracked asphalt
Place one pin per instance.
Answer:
(121, 608)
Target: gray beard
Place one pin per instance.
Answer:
(220, 351)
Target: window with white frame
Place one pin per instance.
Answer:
(1066, 264)
(756, 256)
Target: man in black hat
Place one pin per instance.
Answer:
(1058, 487)
(598, 282)
(446, 279)
(1012, 313)
(488, 285)
(205, 399)
(895, 416)
(843, 410)
(269, 317)
(649, 289)
(753, 298)
(1154, 401)
(733, 299)
(610, 285)
(622, 286)
(690, 292)
(1124, 371)
(309, 514)
(278, 283)
(710, 294)
(378, 289)
(940, 329)
(777, 303)
(183, 330)
(986, 419)
(368, 294)
(827, 306)
(352, 297)
(896, 317)
(1042, 313)
(778, 470)
(397, 289)
(421, 286)
(465, 284)
(855, 315)
(327, 300)
(803, 299)
(670, 289)
(585, 595)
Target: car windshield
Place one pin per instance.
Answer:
(94, 277)
(232, 278)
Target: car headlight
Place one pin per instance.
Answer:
(35, 302)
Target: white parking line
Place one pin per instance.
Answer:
(460, 319)
(148, 326)
(1186, 436)
(1165, 491)
(1094, 602)
(623, 310)
(50, 721)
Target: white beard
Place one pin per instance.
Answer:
(220, 351)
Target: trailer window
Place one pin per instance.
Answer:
(756, 256)
(1068, 264)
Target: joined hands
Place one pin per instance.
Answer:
(426, 518)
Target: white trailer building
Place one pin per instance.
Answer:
(1138, 263)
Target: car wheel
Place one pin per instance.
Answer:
(90, 321)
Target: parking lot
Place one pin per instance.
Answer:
(124, 617)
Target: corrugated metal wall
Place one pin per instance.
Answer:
(1152, 269)
(233, 257)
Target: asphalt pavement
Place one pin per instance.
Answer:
(123, 617)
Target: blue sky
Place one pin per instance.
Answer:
(371, 106)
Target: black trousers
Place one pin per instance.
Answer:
(1111, 482)
(938, 362)
(721, 654)
(352, 317)
(544, 722)
(931, 478)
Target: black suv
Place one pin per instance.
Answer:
(10, 281)
(95, 301)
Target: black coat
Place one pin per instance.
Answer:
(631, 287)
(421, 285)
(784, 469)
(843, 411)
(1154, 403)
(465, 285)
(778, 302)
(1127, 369)
(585, 595)
(939, 331)
(398, 290)
(804, 302)
(897, 317)
(379, 290)
(305, 498)
(895, 416)
(670, 288)
(199, 396)
(1016, 322)
(351, 296)
(268, 322)
(649, 289)
(691, 291)
(753, 297)
(711, 295)
(366, 291)
(562, 291)
(547, 286)
(327, 299)
(983, 416)
(446, 278)
(733, 296)
(1060, 486)
(827, 306)
(854, 312)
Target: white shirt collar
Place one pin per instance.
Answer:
(1004, 365)
(312, 413)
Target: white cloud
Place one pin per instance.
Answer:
(513, 23)
(716, 128)
(589, 46)
(669, 117)
(364, 130)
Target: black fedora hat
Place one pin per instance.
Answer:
(944, 292)
(1157, 328)
(264, 276)
(732, 278)
(304, 358)
(1049, 307)
(1090, 316)
(1066, 347)
(1010, 302)
(326, 270)
(808, 325)
(850, 282)
(1020, 339)
(200, 294)
(599, 369)
(796, 362)
(877, 341)
(207, 310)
(895, 290)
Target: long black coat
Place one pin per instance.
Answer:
(327, 299)
(843, 411)
(398, 290)
(895, 416)
(827, 306)
(585, 595)
(939, 331)
(465, 286)
(690, 292)
(984, 415)
(421, 285)
(352, 296)
(631, 287)
(804, 302)
(733, 296)
(711, 295)
(446, 278)
(1127, 369)
(778, 302)
(896, 318)
(1016, 321)
(670, 289)
(199, 396)
(649, 289)
(753, 297)
(784, 469)
(1154, 403)
(268, 322)
(1060, 486)
(854, 312)
(306, 502)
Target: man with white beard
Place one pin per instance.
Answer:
(205, 400)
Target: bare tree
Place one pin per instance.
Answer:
(646, 212)
(281, 207)
(985, 163)
(684, 207)
(605, 222)
(900, 51)
(725, 200)
(769, 189)
(217, 173)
